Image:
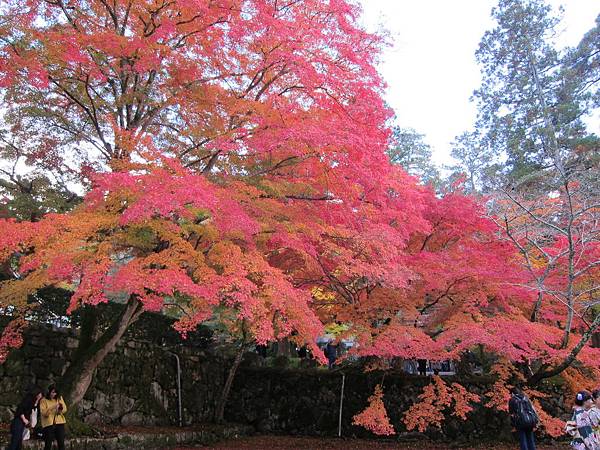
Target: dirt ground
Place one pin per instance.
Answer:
(305, 443)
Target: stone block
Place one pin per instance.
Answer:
(57, 366)
(85, 405)
(71, 342)
(112, 406)
(134, 344)
(37, 341)
(14, 365)
(133, 418)
(11, 399)
(6, 414)
(94, 418)
(41, 368)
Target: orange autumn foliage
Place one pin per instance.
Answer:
(437, 399)
(374, 417)
(11, 337)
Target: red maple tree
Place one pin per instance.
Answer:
(232, 155)
(217, 141)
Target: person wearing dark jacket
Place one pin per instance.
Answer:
(422, 366)
(331, 353)
(523, 418)
(22, 418)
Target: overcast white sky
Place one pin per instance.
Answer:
(431, 70)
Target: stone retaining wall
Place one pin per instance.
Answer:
(135, 385)
(307, 403)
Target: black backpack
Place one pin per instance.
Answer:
(524, 416)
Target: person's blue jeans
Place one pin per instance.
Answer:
(526, 439)
(16, 434)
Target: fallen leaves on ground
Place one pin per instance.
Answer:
(302, 443)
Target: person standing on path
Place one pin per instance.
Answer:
(523, 418)
(331, 353)
(22, 418)
(422, 367)
(53, 409)
(34, 417)
(585, 438)
(595, 413)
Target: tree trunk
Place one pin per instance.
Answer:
(568, 325)
(220, 410)
(537, 307)
(570, 278)
(79, 374)
(546, 372)
(550, 131)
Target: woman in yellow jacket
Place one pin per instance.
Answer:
(53, 409)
